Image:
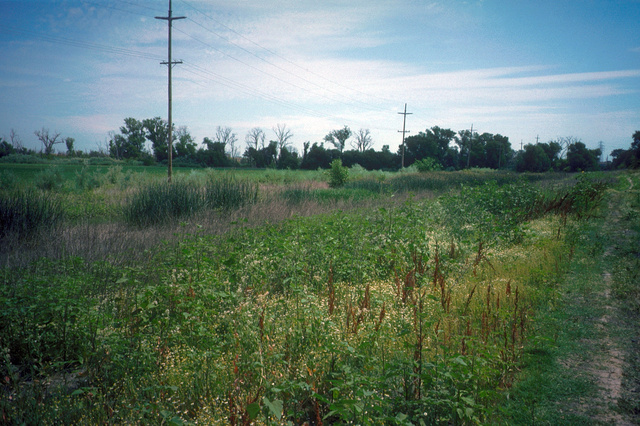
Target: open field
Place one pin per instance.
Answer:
(265, 297)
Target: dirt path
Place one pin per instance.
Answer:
(609, 361)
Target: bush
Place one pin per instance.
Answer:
(22, 159)
(338, 174)
(50, 179)
(427, 164)
(85, 180)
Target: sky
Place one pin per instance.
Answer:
(531, 71)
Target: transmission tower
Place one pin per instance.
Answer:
(169, 63)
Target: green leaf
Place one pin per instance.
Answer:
(253, 410)
(275, 407)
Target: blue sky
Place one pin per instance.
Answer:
(523, 69)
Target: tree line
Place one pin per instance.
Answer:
(434, 149)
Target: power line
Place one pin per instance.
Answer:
(364, 105)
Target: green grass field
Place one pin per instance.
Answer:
(441, 298)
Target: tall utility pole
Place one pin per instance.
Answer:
(404, 124)
(169, 63)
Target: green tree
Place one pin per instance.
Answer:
(157, 132)
(579, 158)
(497, 151)
(69, 142)
(212, 154)
(6, 148)
(288, 159)
(129, 144)
(533, 159)
(185, 146)
(338, 138)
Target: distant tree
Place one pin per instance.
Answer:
(255, 138)
(185, 146)
(16, 142)
(157, 132)
(580, 158)
(48, 140)
(212, 154)
(225, 136)
(264, 157)
(363, 140)
(283, 136)
(69, 142)
(288, 159)
(338, 138)
(129, 144)
(6, 148)
(497, 151)
(465, 140)
(318, 157)
(533, 159)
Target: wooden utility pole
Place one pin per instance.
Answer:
(404, 124)
(469, 148)
(169, 63)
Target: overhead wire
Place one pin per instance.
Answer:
(271, 52)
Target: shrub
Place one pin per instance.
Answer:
(338, 174)
(22, 159)
(49, 179)
(85, 180)
(428, 165)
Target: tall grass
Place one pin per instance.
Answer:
(160, 202)
(26, 212)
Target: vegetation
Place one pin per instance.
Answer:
(362, 304)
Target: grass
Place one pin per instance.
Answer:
(586, 340)
(373, 315)
(361, 305)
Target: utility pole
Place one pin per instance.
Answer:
(469, 149)
(404, 124)
(169, 63)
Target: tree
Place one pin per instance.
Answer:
(69, 142)
(288, 159)
(157, 131)
(363, 140)
(497, 151)
(225, 136)
(212, 154)
(129, 144)
(48, 140)
(580, 158)
(16, 142)
(338, 138)
(185, 146)
(264, 157)
(6, 148)
(465, 140)
(317, 157)
(533, 159)
(282, 136)
(255, 138)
